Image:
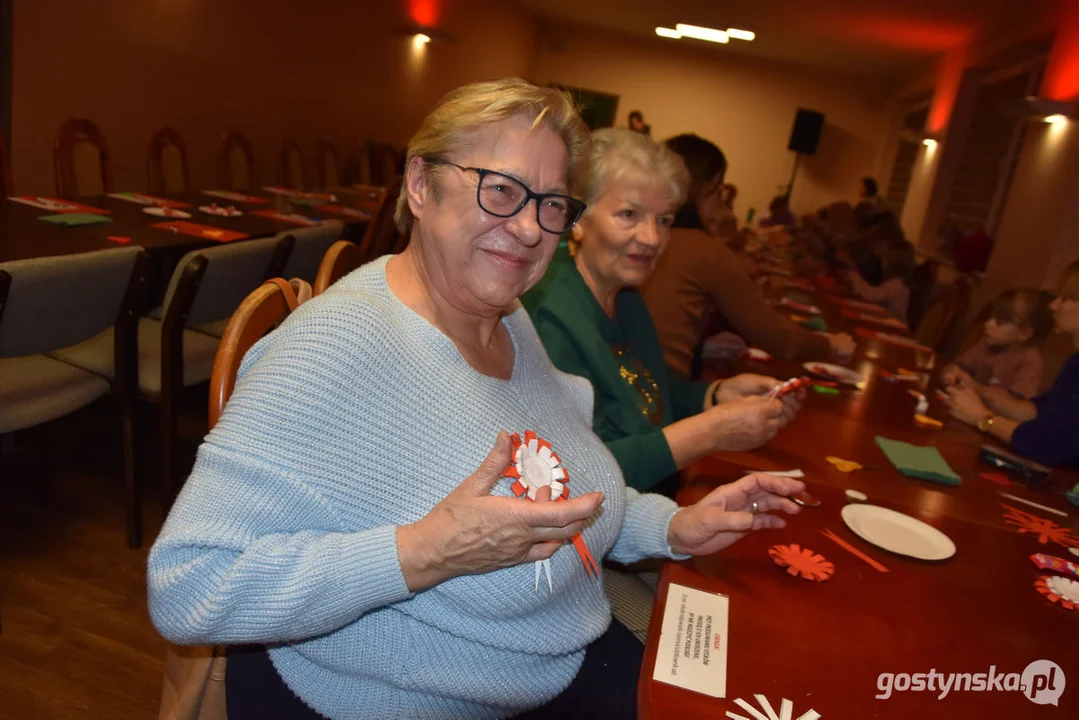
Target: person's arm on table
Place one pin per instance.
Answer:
(1002, 402)
(740, 301)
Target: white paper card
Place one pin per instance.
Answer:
(693, 641)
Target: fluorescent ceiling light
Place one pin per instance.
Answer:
(741, 34)
(702, 33)
(668, 33)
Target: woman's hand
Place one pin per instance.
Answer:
(471, 531)
(726, 514)
(955, 376)
(745, 423)
(745, 385)
(965, 405)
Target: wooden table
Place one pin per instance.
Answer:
(825, 645)
(23, 236)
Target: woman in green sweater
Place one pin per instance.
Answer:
(595, 324)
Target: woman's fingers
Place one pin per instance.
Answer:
(542, 551)
(557, 534)
(561, 514)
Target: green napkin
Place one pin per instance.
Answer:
(1073, 496)
(815, 323)
(918, 461)
(825, 390)
(75, 219)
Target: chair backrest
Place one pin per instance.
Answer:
(231, 271)
(259, 313)
(923, 282)
(166, 162)
(54, 302)
(367, 197)
(381, 235)
(235, 162)
(942, 315)
(384, 164)
(290, 169)
(308, 246)
(358, 165)
(342, 258)
(6, 186)
(329, 166)
(81, 160)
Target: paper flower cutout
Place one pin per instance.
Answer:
(1057, 589)
(786, 710)
(536, 465)
(802, 561)
(1046, 530)
(844, 465)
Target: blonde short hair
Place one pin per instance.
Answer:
(471, 107)
(618, 153)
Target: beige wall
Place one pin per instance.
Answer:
(341, 69)
(745, 107)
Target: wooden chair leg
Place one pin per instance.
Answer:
(132, 477)
(168, 472)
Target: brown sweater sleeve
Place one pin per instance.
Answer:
(739, 299)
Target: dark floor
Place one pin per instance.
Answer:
(77, 640)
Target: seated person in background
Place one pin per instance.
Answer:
(1045, 429)
(894, 292)
(868, 251)
(867, 194)
(594, 324)
(636, 123)
(1008, 353)
(779, 213)
(698, 278)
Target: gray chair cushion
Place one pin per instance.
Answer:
(311, 244)
(631, 600)
(54, 302)
(215, 329)
(95, 355)
(36, 389)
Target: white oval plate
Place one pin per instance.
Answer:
(833, 372)
(220, 211)
(897, 532)
(165, 212)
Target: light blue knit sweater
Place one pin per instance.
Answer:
(355, 417)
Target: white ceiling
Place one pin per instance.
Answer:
(881, 38)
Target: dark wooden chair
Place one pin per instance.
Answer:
(291, 172)
(178, 341)
(166, 163)
(102, 293)
(385, 164)
(923, 282)
(342, 258)
(329, 166)
(943, 315)
(235, 162)
(357, 170)
(6, 186)
(81, 160)
(380, 238)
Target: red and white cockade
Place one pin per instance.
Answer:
(536, 465)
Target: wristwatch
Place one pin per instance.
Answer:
(986, 423)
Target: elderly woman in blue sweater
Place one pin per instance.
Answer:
(401, 511)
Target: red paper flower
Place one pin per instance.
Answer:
(1058, 589)
(802, 561)
(1046, 530)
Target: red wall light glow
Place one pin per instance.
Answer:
(1061, 79)
(424, 12)
(949, 74)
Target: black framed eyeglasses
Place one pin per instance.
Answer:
(504, 196)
